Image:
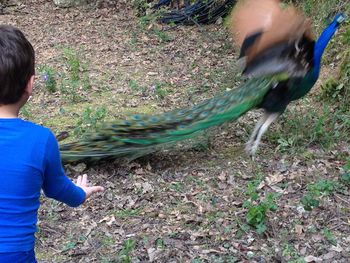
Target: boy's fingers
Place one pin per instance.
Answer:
(84, 180)
(96, 189)
(79, 180)
(92, 190)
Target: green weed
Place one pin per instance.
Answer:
(309, 202)
(125, 213)
(89, 120)
(329, 236)
(26, 112)
(160, 92)
(325, 11)
(214, 216)
(160, 243)
(136, 87)
(336, 90)
(256, 215)
(345, 178)
(298, 130)
(49, 77)
(251, 190)
(326, 187)
(140, 6)
(291, 255)
(70, 244)
(222, 259)
(75, 80)
(107, 241)
(144, 22)
(332, 90)
(148, 24)
(73, 62)
(177, 186)
(70, 89)
(311, 199)
(124, 253)
(157, 90)
(163, 36)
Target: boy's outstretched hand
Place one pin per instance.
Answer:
(82, 182)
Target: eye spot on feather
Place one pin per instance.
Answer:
(180, 113)
(221, 109)
(136, 117)
(154, 119)
(140, 124)
(195, 107)
(195, 112)
(210, 105)
(233, 99)
(127, 123)
(220, 102)
(203, 114)
(189, 117)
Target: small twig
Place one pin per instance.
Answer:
(345, 201)
(338, 225)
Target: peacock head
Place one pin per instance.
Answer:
(339, 18)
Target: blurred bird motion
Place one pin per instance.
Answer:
(260, 26)
(281, 63)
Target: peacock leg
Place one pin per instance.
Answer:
(267, 120)
(252, 138)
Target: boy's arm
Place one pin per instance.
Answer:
(56, 184)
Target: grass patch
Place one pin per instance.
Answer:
(299, 129)
(316, 191)
(257, 212)
(49, 77)
(125, 213)
(124, 254)
(89, 120)
(72, 80)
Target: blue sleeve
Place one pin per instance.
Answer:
(56, 184)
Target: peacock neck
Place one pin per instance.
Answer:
(321, 44)
(300, 87)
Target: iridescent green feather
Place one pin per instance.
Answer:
(141, 134)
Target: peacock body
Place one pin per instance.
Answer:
(280, 68)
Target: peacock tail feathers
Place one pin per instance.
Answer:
(141, 134)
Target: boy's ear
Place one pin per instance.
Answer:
(30, 84)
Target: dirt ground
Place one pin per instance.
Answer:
(186, 204)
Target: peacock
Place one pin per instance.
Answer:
(281, 63)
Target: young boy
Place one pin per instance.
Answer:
(29, 155)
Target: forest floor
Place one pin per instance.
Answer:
(189, 203)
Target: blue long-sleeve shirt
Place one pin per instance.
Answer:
(29, 161)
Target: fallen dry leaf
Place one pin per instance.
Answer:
(312, 259)
(299, 229)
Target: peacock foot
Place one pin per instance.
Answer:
(251, 148)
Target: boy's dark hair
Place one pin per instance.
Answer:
(16, 64)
